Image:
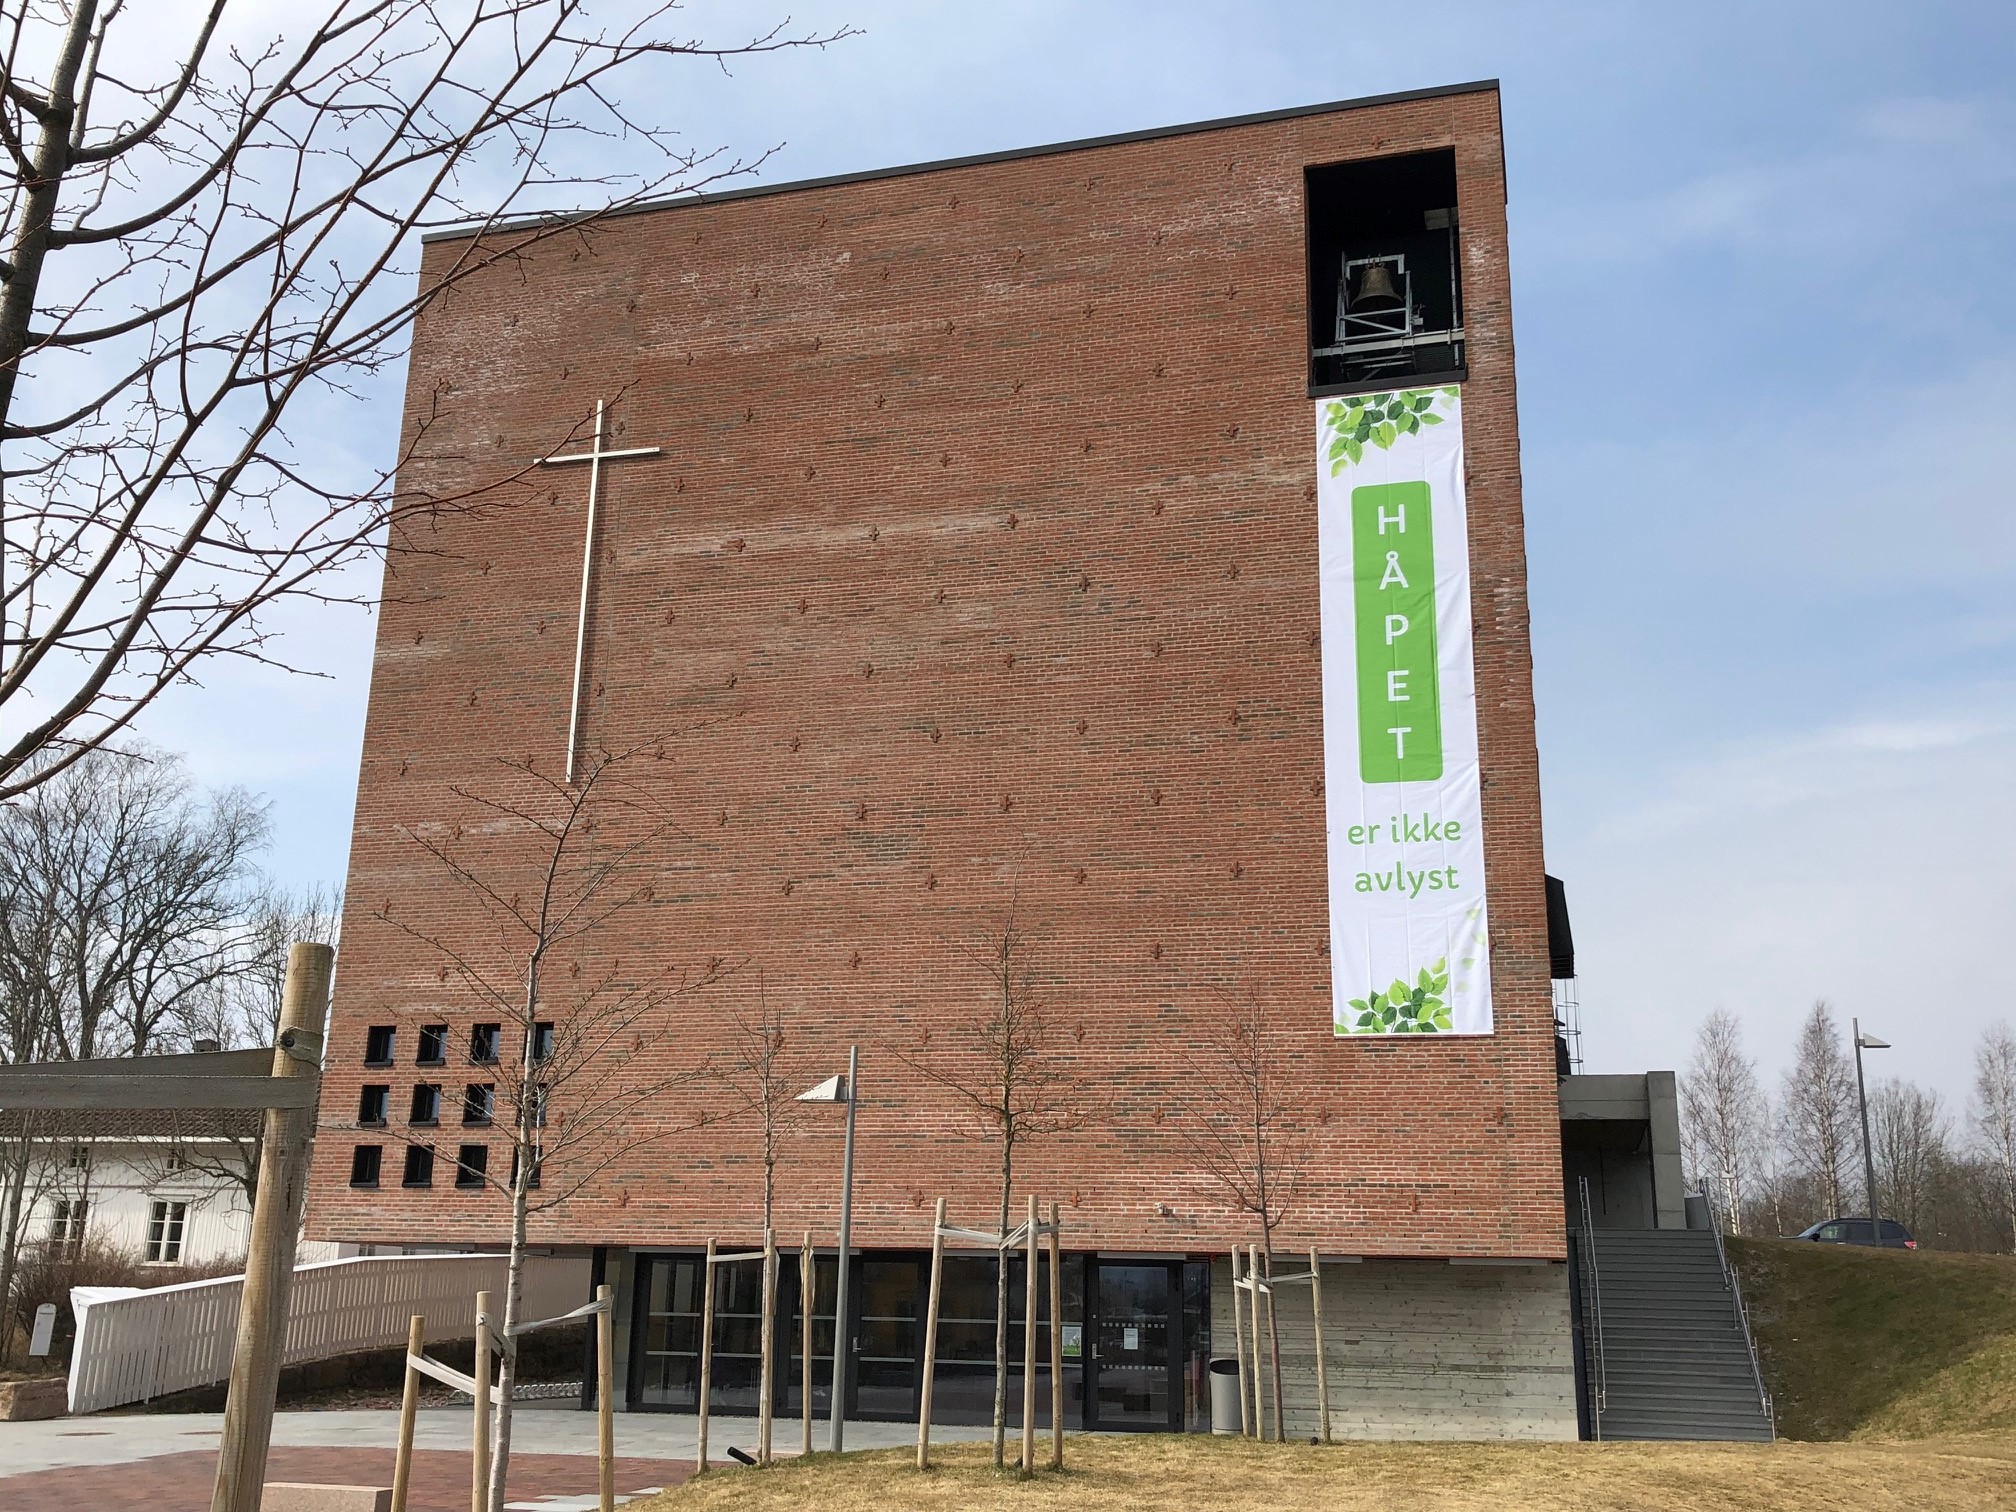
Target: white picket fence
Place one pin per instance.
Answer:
(134, 1345)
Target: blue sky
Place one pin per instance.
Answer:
(1763, 309)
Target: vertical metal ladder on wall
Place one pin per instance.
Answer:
(1666, 1345)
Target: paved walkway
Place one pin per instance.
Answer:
(167, 1461)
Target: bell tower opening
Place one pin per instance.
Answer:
(1385, 284)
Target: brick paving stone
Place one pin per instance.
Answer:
(183, 1482)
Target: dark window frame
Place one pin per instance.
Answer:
(480, 1036)
(366, 1155)
(380, 1094)
(418, 1172)
(487, 1101)
(377, 1036)
(434, 1039)
(472, 1174)
(430, 1094)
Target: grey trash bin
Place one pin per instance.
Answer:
(1224, 1396)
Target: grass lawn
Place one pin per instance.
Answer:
(1180, 1471)
(1879, 1343)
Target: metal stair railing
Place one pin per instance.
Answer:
(1592, 1304)
(1735, 1287)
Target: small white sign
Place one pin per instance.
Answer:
(45, 1329)
(1130, 1338)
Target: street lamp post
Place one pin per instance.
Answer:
(1867, 1042)
(835, 1089)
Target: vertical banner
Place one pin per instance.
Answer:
(1409, 950)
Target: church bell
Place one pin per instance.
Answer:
(1376, 287)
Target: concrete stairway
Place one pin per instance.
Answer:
(1676, 1351)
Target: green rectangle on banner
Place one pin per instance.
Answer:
(1393, 583)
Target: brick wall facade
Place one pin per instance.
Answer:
(978, 571)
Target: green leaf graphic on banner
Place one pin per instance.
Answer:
(1400, 1009)
(1358, 420)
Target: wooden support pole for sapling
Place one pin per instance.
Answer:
(806, 1295)
(765, 1409)
(706, 1358)
(1239, 1346)
(1322, 1366)
(1056, 1343)
(288, 1134)
(605, 1394)
(1252, 1275)
(409, 1404)
(930, 1339)
(1028, 1342)
(479, 1442)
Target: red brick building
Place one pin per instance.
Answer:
(976, 573)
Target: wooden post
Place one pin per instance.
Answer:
(706, 1358)
(1252, 1275)
(930, 1339)
(1056, 1343)
(605, 1395)
(767, 1375)
(287, 1134)
(1239, 1345)
(1028, 1343)
(479, 1431)
(1322, 1368)
(402, 1459)
(807, 1294)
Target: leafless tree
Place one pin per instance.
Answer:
(1002, 1065)
(1817, 1117)
(209, 243)
(1907, 1133)
(1246, 1136)
(1992, 1111)
(126, 892)
(556, 866)
(760, 1082)
(1725, 1115)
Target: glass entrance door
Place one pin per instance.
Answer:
(1133, 1364)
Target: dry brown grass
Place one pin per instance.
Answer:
(1952, 1475)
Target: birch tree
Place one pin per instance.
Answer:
(1245, 1134)
(1725, 1116)
(208, 248)
(1908, 1131)
(1817, 1115)
(1012, 1082)
(1992, 1112)
(556, 868)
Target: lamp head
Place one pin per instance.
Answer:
(1869, 1042)
(832, 1090)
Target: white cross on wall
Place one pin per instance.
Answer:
(595, 456)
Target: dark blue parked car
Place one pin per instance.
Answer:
(1860, 1231)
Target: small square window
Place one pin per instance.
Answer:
(542, 1044)
(175, 1162)
(534, 1182)
(470, 1164)
(378, 1045)
(78, 1157)
(433, 1045)
(364, 1163)
(426, 1104)
(419, 1167)
(371, 1104)
(479, 1101)
(483, 1044)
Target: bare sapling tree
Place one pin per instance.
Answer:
(1245, 1134)
(555, 872)
(209, 242)
(1992, 1113)
(1908, 1132)
(1817, 1118)
(1725, 1116)
(1014, 1086)
(760, 1081)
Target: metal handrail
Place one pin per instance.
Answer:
(1593, 1301)
(1735, 1285)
